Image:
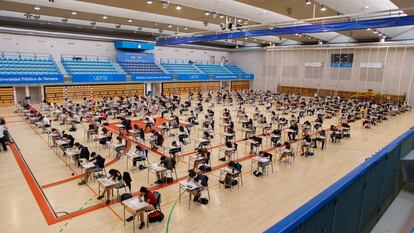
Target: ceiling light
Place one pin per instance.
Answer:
(150, 2)
(206, 13)
(245, 38)
(375, 32)
(129, 20)
(104, 17)
(308, 2)
(254, 40)
(74, 13)
(221, 16)
(239, 20)
(263, 41)
(323, 8)
(169, 25)
(165, 4)
(271, 27)
(368, 29)
(297, 34)
(186, 28)
(246, 22)
(37, 8)
(178, 7)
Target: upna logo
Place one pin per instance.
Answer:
(100, 78)
(139, 46)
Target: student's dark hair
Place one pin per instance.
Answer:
(163, 158)
(143, 190)
(191, 173)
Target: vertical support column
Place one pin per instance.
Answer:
(14, 95)
(27, 94)
(147, 88)
(42, 92)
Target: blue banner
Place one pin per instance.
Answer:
(304, 29)
(226, 76)
(32, 78)
(151, 77)
(133, 45)
(77, 78)
(134, 57)
(194, 77)
(248, 76)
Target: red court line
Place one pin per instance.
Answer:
(34, 188)
(73, 177)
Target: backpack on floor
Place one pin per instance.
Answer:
(204, 201)
(155, 216)
(205, 168)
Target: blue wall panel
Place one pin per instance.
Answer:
(30, 79)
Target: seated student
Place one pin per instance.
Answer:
(205, 154)
(260, 165)
(139, 133)
(230, 148)
(83, 154)
(141, 155)
(120, 145)
(228, 179)
(206, 141)
(346, 130)
(156, 140)
(255, 142)
(293, 131)
(92, 130)
(149, 123)
(105, 136)
(46, 122)
(287, 150)
(306, 143)
(169, 164)
(174, 149)
(182, 134)
(250, 130)
(335, 134)
(99, 166)
(320, 138)
(148, 197)
(116, 176)
(164, 127)
(275, 137)
(70, 139)
(231, 133)
(366, 123)
(201, 180)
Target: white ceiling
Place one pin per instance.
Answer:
(366, 6)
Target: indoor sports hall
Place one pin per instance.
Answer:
(206, 116)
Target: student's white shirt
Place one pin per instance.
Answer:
(46, 121)
(2, 129)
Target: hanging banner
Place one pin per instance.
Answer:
(32, 78)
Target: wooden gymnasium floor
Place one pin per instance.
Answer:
(32, 177)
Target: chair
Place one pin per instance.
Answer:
(99, 171)
(127, 183)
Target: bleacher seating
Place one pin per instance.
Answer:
(234, 69)
(140, 68)
(212, 69)
(90, 67)
(180, 68)
(27, 65)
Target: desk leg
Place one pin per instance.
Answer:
(127, 163)
(148, 175)
(99, 189)
(133, 221)
(124, 215)
(179, 196)
(189, 200)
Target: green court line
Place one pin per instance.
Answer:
(171, 211)
(67, 222)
